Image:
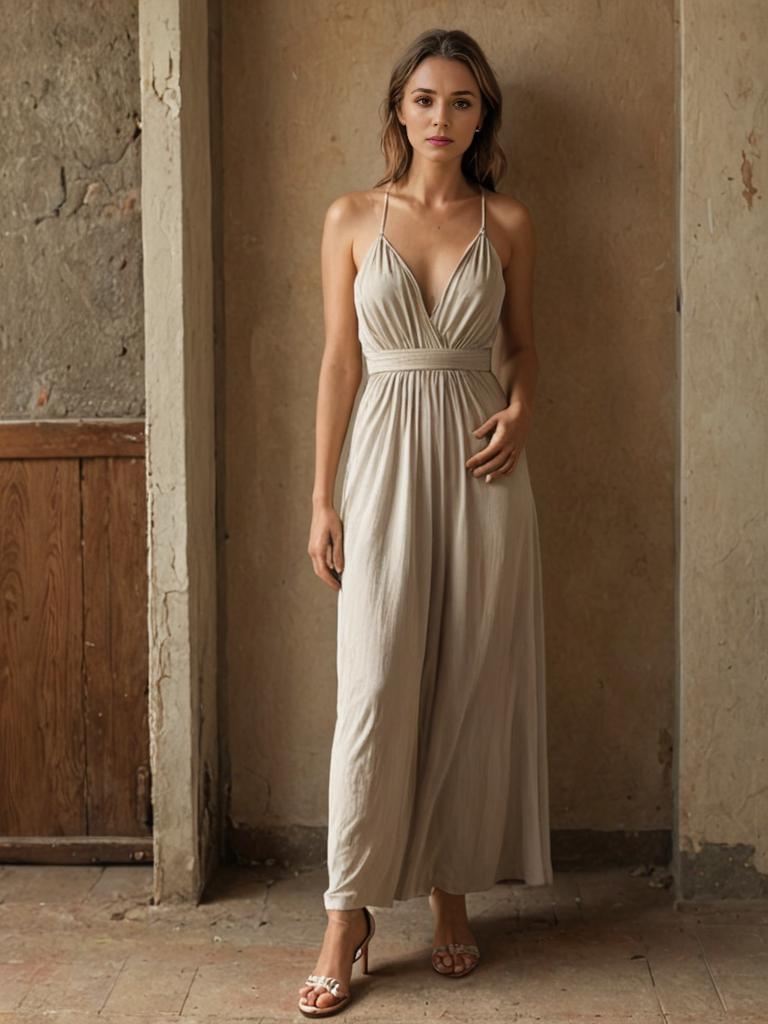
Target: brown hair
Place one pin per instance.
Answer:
(484, 161)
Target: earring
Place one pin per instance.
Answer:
(477, 129)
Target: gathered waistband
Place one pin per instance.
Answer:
(429, 359)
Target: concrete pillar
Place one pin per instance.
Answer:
(176, 210)
(722, 753)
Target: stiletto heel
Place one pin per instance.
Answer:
(333, 985)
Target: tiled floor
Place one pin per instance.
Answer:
(80, 944)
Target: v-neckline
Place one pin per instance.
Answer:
(431, 316)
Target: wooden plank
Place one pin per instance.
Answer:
(116, 647)
(71, 439)
(76, 850)
(42, 741)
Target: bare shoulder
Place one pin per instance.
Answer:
(348, 211)
(511, 230)
(511, 214)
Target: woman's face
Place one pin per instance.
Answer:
(441, 98)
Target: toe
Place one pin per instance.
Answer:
(326, 999)
(312, 995)
(323, 997)
(438, 962)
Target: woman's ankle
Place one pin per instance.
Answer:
(346, 918)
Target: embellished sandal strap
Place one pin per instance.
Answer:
(458, 947)
(325, 981)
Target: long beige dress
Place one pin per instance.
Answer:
(438, 769)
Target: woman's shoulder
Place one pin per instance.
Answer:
(512, 219)
(508, 209)
(351, 206)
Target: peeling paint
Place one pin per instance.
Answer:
(720, 871)
(169, 93)
(749, 190)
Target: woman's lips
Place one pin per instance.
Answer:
(438, 140)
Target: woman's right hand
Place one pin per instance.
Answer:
(325, 544)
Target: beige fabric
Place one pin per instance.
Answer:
(438, 772)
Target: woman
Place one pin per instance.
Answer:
(438, 775)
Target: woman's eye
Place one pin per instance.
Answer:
(465, 103)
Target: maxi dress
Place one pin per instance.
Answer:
(438, 765)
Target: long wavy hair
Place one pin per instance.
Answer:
(484, 161)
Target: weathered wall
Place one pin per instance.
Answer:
(71, 330)
(590, 129)
(723, 755)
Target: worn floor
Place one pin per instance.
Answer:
(80, 944)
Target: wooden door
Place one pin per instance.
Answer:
(75, 780)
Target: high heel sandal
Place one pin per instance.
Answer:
(455, 949)
(333, 985)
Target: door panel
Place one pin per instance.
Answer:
(74, 732)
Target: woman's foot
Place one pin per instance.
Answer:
(451, 926)
(344, 932)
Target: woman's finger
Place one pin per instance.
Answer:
(493, 464)
(325, 574)
(321, 569)
(338, 550)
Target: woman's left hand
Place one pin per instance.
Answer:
(510, 428)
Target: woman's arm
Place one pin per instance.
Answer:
(520, 365)
(339, 380)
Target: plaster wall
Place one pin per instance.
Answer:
(589, 127)
(71, 318)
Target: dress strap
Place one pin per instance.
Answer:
(482, 194)
(384, 212)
